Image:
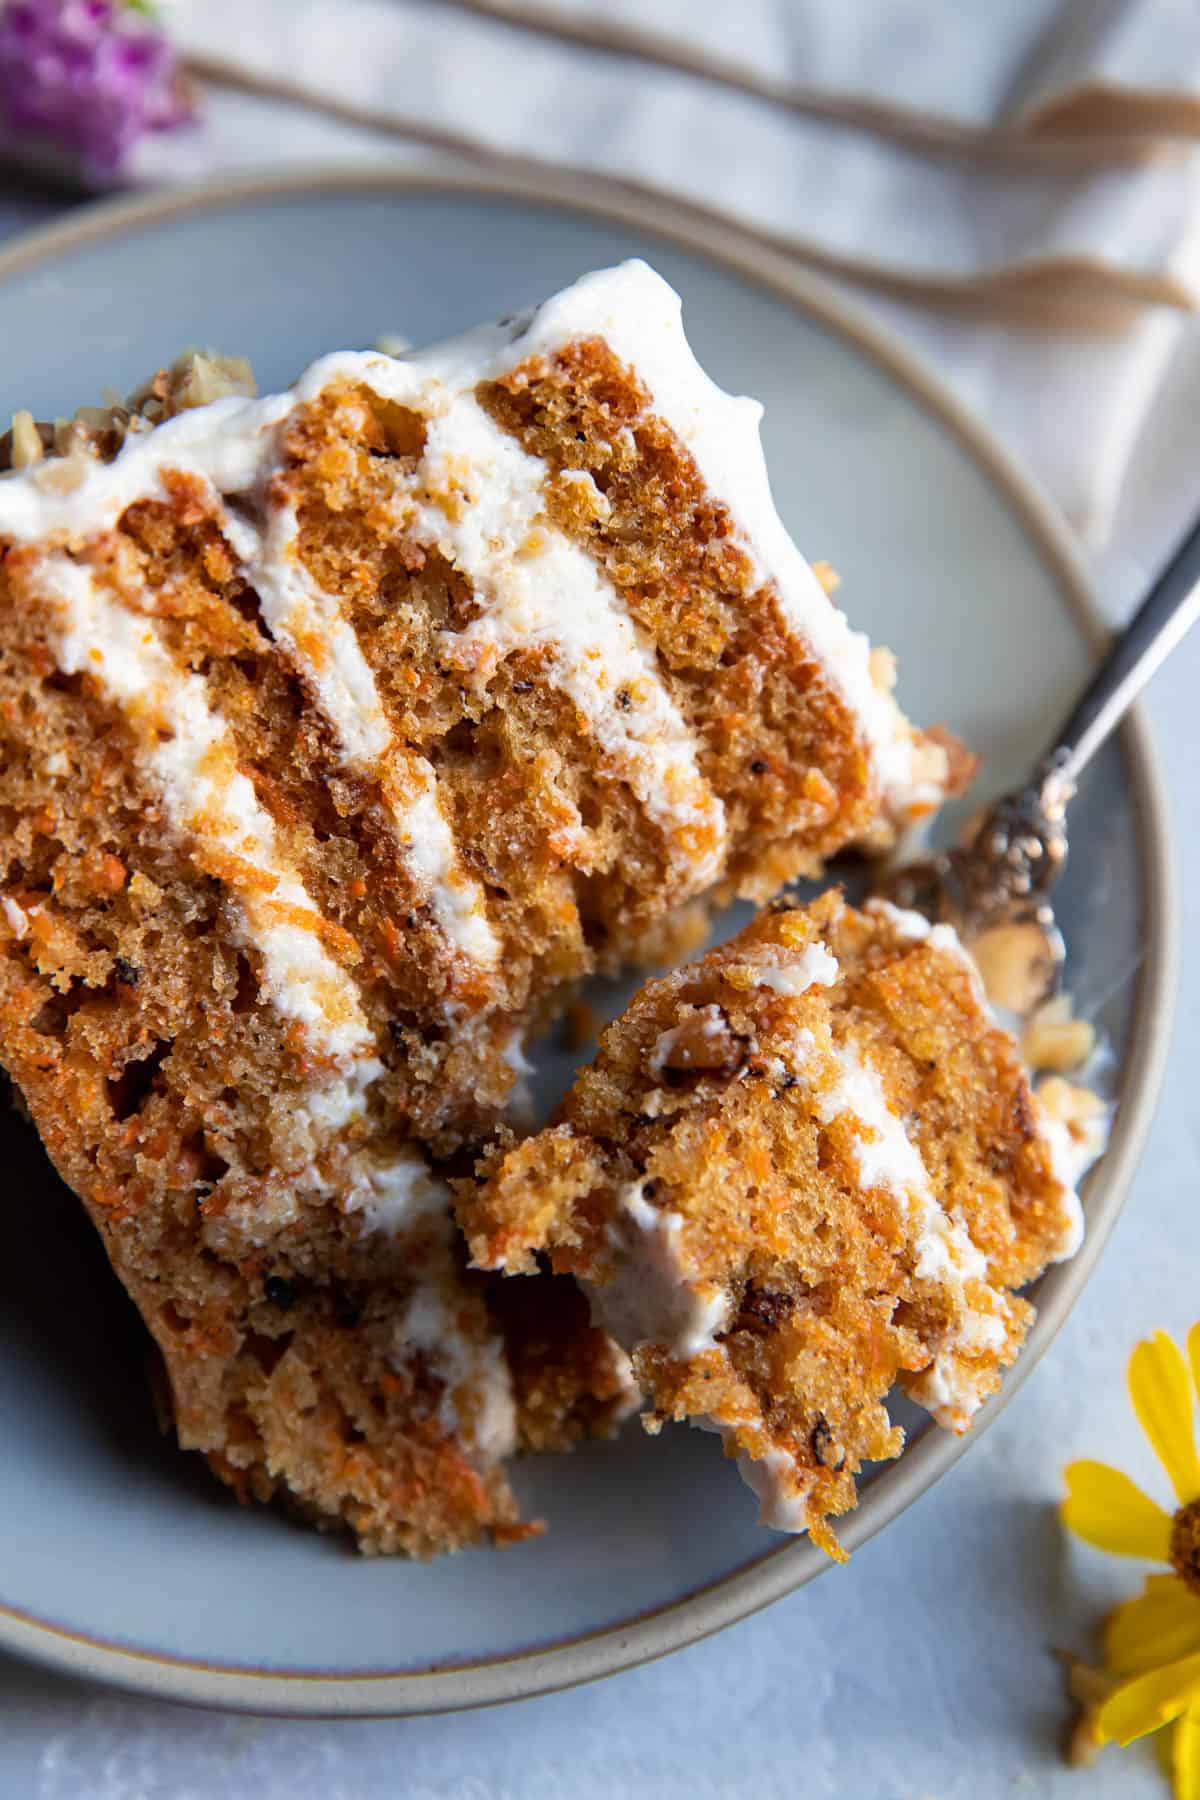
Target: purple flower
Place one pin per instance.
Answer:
(88, 77)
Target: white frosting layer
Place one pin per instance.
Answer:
(477, 1402)
(943, 1252)
(427, 842)
(309, 624)
(298, 614)
(332, 1104)
(655, 1295)
(1070, 1160)
(914, 928)
(815, 966)
(887, 1158)
(773, 1479)
(399, 1196)
(228, 445)
(16, 916)
(402, 1199)
(1075, 1144)
(1072, 1153)
(190, 758)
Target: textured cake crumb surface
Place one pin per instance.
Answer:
(803, 1170)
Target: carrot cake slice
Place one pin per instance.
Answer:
(342, 729)
(801, 1171)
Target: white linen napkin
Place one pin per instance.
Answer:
(1016, 187)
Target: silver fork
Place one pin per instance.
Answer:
(1003, 873)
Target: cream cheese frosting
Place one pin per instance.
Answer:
(1072, 1151)
(942, 1250)
(190, 757)
(400, 1198)
(300, 614)
(655, 1294)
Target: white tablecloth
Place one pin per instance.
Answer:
(920, 1672)
(913, 223)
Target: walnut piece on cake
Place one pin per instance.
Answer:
(802, 1170)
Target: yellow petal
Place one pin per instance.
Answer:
(1185, 1756)
(1162, 1399)
(1193, 1350)
(1160, 1626)
(1110, 1511)
(1149, 1700)
(1164, 1748)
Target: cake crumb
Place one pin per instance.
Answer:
(1014, 964)
(27, 446)
(1054, 1039)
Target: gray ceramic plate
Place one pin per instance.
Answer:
(118, 1557)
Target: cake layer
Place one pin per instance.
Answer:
(801, 1171)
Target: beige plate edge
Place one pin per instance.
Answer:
(644, 1637)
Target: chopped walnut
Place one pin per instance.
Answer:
(194, 379)
(1015, 965)
(764, 1309)
(882, 665)
(1078, 1108)
(77, 437)
(1054, 1039)
(824, 1445)
(197, 377)
(27, 446)
(828, 577)
(145, 894)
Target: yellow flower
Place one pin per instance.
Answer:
(1152, 1643)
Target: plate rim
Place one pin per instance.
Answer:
(643, 1638)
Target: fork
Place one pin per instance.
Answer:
(1003, 873)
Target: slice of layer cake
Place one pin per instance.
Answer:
(803, 1170)
(342, 730)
